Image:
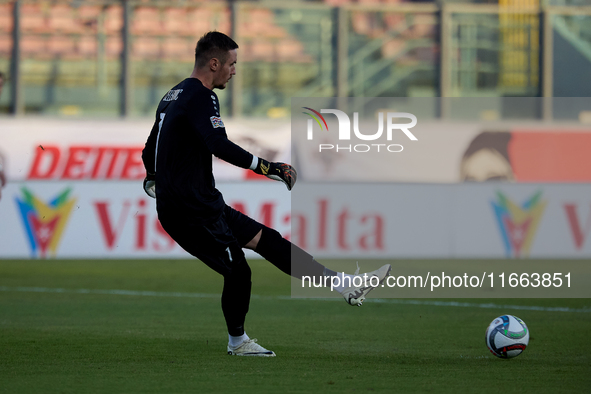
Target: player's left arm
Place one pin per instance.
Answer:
(149, 159)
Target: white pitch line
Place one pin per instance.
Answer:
(108, 292)
(376, 300)
(484, 306)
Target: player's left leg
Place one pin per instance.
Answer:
(214, 244)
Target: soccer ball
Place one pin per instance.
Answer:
(507, 336)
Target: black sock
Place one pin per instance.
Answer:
(236, 296)
(288, 257)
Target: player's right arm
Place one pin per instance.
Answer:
(209, 124)
(277, 171)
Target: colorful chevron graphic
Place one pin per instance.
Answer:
(518, 224)
(44, 223)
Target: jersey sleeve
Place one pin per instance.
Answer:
(149, 152)
(208, 123)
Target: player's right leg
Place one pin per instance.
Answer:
(296, 262)
(354, 288)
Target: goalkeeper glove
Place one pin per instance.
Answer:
(277, 171)
(150, 185)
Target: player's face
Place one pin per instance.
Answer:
(228, 69)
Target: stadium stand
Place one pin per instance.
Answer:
(285, 50)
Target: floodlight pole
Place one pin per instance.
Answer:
(342, 66)
(16, 97)
(547, 60)
(237, 80)
(126, 101)
(445, 37)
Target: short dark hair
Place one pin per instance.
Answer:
(493, 140)
(213, 45)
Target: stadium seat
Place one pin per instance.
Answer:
(175, 21)
(146, 21)
(291, 50)
(113, 46)
(87, 12)
(88, 17)
(198, 21)
(5, 45)
(178, 49)
(392, 20)
(260, 23)
(60, 45)
(146, 48)
(266, 41)
(5, 18)
(223, 21)
(261, 50)
(366, 23)
(32, 45)
(369, 2)
(336, 3)
(62, 18)
(32, 19)
(113, 19)
(86, 46)
(393, 47)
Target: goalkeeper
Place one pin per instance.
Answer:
(178, 160)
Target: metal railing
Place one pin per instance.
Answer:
(121, 56)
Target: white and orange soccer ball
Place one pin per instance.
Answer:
(507, 336)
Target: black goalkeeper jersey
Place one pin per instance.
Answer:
(188, 130)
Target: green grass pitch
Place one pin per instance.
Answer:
(62, 330)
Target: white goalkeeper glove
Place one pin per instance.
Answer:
(150, 185)
(278, 172)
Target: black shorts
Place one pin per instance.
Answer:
(218, 244)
